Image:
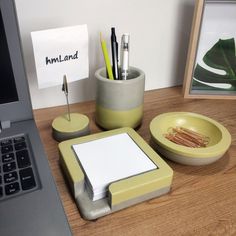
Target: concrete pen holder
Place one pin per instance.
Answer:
(119, 103)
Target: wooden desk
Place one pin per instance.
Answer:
(202, 200)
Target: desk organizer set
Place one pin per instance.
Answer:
(80, 157)
(115, 169)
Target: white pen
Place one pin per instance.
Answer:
(124, 57)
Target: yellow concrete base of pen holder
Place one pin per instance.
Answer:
(63, 128)
(119, 103)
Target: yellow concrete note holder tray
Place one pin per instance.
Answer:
(123, 193)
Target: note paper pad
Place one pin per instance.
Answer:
(110, 159)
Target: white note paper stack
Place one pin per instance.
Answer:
(110, 159)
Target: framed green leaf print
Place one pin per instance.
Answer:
(211, 63)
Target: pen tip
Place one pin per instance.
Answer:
(125, 37)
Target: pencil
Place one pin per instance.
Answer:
(106, 58)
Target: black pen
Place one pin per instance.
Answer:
(114, 49)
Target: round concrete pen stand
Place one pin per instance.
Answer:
(119, 103)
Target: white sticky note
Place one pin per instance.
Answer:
(109, 159)
(59, 52)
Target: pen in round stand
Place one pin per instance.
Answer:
(106, 58)
(114, 49)
(124, 57)
(69, 125)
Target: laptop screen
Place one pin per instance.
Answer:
(8, 91)
(15, 104)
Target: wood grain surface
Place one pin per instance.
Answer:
(202, 200)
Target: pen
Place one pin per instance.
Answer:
(124, 56)
(114, 49)
(106, 58)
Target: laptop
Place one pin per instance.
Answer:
(29, 202)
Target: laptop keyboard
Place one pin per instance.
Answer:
(17, 175)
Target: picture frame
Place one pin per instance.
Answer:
(211, 62)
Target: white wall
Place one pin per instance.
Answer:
(159, 32)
